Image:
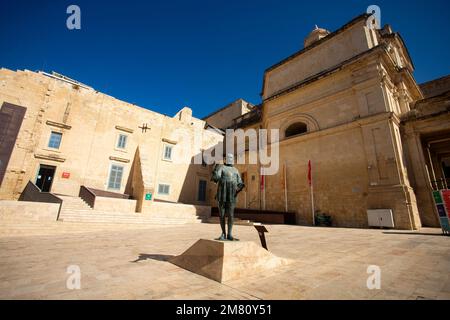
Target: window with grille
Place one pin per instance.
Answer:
(168, 152)
(55, 140)
(115, 177)
(163, 189)
(122, 142)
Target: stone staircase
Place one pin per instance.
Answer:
(74, 209)
(73, 203)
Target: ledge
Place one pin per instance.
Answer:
(169, 141)
(58, 124)
(124, 129)
(119, 159)
(49, 157)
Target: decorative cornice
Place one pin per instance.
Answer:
(119, 159)
(58, 124)
(169, 141)
(357, 123)
(317, 43)
(49, 157)
(323, 74)
(124, 129)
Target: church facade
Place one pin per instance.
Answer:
(347, 104)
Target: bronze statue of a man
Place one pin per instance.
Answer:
(229, 184)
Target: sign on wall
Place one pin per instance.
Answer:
(442, 202)
(148, 196)
(66, 175)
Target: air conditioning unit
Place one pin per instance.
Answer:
(380, 218)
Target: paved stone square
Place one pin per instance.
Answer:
(124, 262)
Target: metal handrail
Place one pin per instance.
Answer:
(443, 183)
(90, 194)
(87, 195)
(32, 193)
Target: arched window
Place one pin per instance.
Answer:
(295, 129)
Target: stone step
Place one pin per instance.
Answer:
(75, 208)
(237, 221)
(64, 211)
(156, 221)
(81, 203)
(115, 218)
(120, 215)
(42, 225)
(125, 216)
(19, 228)
(74, 202)
(71, 200)
(103, 217)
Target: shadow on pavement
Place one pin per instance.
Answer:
(158, 257)
(414, 233)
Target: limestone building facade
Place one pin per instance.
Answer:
(341, 104)
(62, 134)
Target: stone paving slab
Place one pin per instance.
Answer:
(131, 263)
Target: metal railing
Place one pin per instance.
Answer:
(90, 194)
(87, 195)
(248, 118)
(440, 184)
(32, 193)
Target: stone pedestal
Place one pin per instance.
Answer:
(227, 260)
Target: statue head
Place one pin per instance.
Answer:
(229, 159)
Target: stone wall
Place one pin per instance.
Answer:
(29, 210)
(223, 118)
(343, 46)
(177, 210)
(112, 204)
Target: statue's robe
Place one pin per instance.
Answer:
(229, 183)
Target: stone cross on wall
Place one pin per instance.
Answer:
(144, 127)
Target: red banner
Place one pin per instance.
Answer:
(262, 182)
(309, 173)
(446, 200)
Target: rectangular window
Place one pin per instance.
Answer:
(55, 140)
(163, 189)
(115, 177)
(122, 142)
(168, 152)
(201, 190)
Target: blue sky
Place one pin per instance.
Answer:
(164, 55)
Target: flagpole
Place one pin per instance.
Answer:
(264, 193)
(312, 191)
(245, 199)
(312, 205)
(285, 187)
(263, 188)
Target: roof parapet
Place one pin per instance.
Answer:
(58, 76)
